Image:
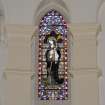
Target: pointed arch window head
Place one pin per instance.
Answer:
(53, 20)
(52, 58)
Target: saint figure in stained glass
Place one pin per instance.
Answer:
(52, 58)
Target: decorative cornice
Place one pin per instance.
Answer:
(84, 71)
(74, 28)
(29, 72)
(81, 28)
(20, 29)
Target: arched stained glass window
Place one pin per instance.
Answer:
(52, 58)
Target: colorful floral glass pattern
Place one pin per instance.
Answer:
(53, 25)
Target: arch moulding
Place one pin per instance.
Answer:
(45, 8)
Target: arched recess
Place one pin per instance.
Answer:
(47, 5)
(47, 2)
(37, 41)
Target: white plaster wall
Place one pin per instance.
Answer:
(83, 10)
(20, 11)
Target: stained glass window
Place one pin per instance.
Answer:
(52, 58)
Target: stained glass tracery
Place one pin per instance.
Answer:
(52, 58)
